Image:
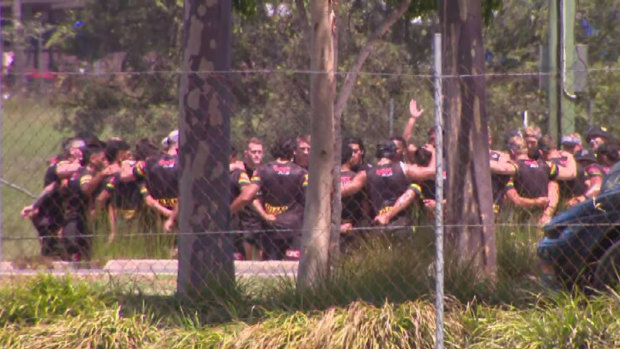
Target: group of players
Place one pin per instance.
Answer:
(268, 198)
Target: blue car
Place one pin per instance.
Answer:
(581, 246)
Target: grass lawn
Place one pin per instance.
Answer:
(29, 139)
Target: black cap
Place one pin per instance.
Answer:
(386, 149)
(597, 131)
(585, 155)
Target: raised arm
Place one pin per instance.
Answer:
(414, 114)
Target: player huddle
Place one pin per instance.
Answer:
(91, 177)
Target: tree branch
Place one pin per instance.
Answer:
(367, 49)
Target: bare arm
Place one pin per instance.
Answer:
(414, 114)
(46, 192)
(357, 183)
(520, 201)
(418, 174)
(568, 172)
(594, 186)
(89, 187)
(169, 223)
(553, 192)
(248, 193)
(401, 203)
(65, 169)
(154, 204)
(503, 167)
(257, 205)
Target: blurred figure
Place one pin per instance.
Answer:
(282, 184)
(83, 185)
(302, 151)
(571, 143)
(589, 178)
(532, 135)
(596, 136)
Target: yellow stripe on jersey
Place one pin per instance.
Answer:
(243, 179)
(305, 181)
(85, 179)
(417, 189)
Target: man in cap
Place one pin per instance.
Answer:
(596, 136)
(589, 179)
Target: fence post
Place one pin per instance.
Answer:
(439, 261)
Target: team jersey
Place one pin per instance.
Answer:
(52, 206)
(77, 201)
(283, 191)
(532, 177)
(386, 183)
(238, 180)
(161, 178)
(124, 195)
(249, 219)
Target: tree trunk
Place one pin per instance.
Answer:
(205, 250)
(313, 266)
(469, 215)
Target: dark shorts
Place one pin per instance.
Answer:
(48, 227)
(76, 241)
(279, 245)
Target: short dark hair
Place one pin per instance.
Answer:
(422, 156)
(546, 143)
(284, 148)
(145, 149)
(400, 139)
(88, 151)
(346, 153)
(112, 148)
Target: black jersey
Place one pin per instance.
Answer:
(249, 219)
(386, 183)
(161, 178)
(124, 195)
(77, 202)
(283, 191)
(52, 205)
(238, 180)
(532, 178)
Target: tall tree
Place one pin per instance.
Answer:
(469, 218)
(317, 215)
(205, 250)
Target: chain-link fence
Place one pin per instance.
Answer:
(91, 182)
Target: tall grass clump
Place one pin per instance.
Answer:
(45, 297)
(561, 321)
(360, 325)
(381, 269)
(103, 329)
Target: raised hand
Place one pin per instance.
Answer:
(414, 112)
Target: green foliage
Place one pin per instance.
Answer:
(46, 297)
